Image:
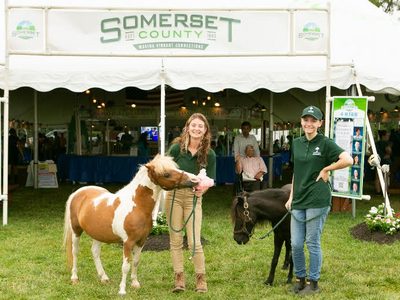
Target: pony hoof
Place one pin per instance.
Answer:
(284, 267)
(105, 281)
(74, 280)
(122, 293)
(136, 286)
(268, 283)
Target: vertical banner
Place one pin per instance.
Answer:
(348, 131)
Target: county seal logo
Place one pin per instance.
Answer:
(311, 32)
(25, 30)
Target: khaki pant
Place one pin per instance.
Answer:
(183, 205)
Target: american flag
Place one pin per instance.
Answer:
(173, 98)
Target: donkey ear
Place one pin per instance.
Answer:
(240, 199)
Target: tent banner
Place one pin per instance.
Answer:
(348, 129)
(169, 32)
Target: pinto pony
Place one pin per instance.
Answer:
(248, 209)
(125, 216)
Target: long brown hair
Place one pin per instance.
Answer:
(204, 147)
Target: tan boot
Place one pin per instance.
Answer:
(201, 284)
(179, 282)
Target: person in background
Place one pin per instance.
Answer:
(14, 151)
(288, 147)
(314, 156)
(143, 145)
(56, 146)
(276, 146)
(63, 144)
(174, 133)
(253, 168)
(192, 154)
(244, 139)
(126, 141)
(384, 152)
(220, 149)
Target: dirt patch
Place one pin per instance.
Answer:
(161, 243)
(361, 232)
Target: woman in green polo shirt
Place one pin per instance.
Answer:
(313, 156)
(192, 153)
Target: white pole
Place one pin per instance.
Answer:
(161, 134)
(271, 142)
(5, 100)
(328, 75)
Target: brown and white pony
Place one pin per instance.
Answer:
(125, 216)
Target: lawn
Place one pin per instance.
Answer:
(32, 261)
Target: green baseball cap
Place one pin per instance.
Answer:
(312, 111)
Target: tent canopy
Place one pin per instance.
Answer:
(240, 45)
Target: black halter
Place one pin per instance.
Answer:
(164, 187)
(246, 218)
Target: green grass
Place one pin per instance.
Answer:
(32, 261)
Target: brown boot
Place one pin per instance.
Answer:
(179, 283)
(201, 284)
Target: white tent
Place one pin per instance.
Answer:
(275, 45)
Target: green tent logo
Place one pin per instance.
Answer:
(349, 105)
(311, 32)
(25, 30)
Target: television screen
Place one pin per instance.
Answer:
(152, 132)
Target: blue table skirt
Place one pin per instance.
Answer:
(107, 169)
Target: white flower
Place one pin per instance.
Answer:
(392, 228)
(368, 216)
(373, 210)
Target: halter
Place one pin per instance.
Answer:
(246, 219)
(164, 187)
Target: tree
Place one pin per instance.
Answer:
(388, 6)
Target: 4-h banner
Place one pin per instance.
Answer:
(348, 131)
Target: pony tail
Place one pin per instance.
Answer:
(67, 243)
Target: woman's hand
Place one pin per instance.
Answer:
(288, 204)
(324, 174)
(198, 194)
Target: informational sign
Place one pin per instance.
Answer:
(348, 131)
(47, 175)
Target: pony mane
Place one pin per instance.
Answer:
(162, 164)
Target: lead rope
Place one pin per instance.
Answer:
(187, 220)
(301, 221)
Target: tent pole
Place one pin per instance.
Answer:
(328, 75)
(35, 141)
(271, 143)
(161, 135)
(162, 113)
(5, 100)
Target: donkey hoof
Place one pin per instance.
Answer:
(267, 282)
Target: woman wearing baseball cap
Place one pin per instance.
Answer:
(314, 156)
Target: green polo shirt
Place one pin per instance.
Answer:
(188, 163)
(309, 158)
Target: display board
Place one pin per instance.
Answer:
(348, 130)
